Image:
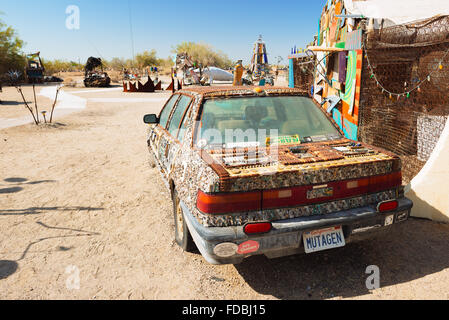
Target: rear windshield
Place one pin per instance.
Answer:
(256, 119)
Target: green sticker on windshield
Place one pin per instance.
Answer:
(284, 140)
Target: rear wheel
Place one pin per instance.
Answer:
(182, 234)
(151, 159)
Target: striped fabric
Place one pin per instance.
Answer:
(354, 40)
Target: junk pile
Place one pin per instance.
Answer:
(34, 68)
(52, 79)
(186, 65)
(193, 73)
(134, 83)
(94, 77)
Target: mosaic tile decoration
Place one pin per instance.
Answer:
(189, 169)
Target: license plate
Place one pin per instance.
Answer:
(320, 192)
(324, 239)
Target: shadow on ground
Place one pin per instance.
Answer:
(7, 268)
(13, 103)
(40, 210)
(23, 181)
(10, 190)
(410, 251)
(16, 180)
(15, 184)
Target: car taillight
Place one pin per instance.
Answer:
(219, 203)
(257, 227)
(304, 195)
(387, 206)
(376, 183)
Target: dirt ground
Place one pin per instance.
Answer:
(79, 198)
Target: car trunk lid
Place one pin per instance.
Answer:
(300, 175)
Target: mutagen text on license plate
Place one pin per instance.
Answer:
(324, 239)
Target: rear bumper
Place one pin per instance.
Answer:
(286, 236)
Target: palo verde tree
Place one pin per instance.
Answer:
(203, 54)
(11, 57)
(147, 59)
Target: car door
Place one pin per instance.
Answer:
(157, 132)
(169, 141)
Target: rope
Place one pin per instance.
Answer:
(407, 92)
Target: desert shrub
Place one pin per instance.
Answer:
(11, 57)
(204, 54)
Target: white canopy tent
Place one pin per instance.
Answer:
(398, 11)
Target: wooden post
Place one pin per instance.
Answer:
(35, 103)
(54, 104)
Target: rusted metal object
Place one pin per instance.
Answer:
(137, 86)
(172, 88)
(97, 80)
(94, 78)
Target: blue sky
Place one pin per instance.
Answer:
(230, 26)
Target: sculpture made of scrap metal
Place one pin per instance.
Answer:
(34, 68)
(93, 77)
(195, 73)
(188, 66)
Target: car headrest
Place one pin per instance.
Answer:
(255, 113)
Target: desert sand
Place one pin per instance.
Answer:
(78, 200)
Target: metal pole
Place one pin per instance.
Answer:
(131, 30)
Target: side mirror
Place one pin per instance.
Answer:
(151, 119)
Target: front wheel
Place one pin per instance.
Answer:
(182, 234)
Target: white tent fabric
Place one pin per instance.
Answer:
(216, 74)
(398, 11)
(220, 74)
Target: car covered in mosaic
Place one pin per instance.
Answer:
(265, 170)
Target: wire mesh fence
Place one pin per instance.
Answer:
(404, 101)
(304, 69)
(405, 90)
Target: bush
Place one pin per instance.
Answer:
(204, 54)
(10, 50)
(55, 66)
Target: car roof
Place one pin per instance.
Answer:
(238, 90)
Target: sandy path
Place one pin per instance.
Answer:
(82, 194)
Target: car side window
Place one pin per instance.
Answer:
(178, 115)
(167, 110)
(182, 132)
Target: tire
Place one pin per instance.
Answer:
(151, 159)
(182, 234)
